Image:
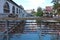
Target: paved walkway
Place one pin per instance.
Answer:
(30, 35)
(26, 37)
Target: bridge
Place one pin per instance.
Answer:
(44, 19)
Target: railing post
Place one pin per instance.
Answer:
(7, 26)
(40, 31)
(39, 25)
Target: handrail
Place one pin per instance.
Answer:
(27, 18)
(4, 15)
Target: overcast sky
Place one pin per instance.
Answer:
(33, 4)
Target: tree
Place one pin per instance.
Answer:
(39, 12)
(33, 12)
(55, 1)
(56, 5)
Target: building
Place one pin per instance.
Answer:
(30, 12)
(10, 7)
(47, 11)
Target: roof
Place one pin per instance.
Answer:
(15, 3)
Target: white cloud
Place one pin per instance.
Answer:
(36, 2)
(33, 4)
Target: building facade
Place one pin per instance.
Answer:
(7, 8)
(10, 7)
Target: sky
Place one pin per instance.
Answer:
(33, 4)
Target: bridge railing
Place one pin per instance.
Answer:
(45, 27)
(3, 15)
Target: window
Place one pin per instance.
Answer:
(13, 9)
(6, 8)
(17, 10)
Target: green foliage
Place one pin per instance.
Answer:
(56, 5)
(55, 1)
(39, 12)
(33, 12)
